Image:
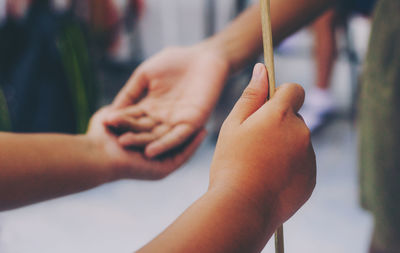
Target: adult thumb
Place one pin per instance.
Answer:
(253, 97)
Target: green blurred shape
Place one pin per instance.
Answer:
(75, 58)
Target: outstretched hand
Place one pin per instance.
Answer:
(168, 99)
(131, 163)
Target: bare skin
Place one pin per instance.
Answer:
(37, 167)
(325, 47)
(262, 172)
(176, 103)
(180, 85)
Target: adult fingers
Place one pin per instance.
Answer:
(253, 97)
(160, 168)
(189, 149)
(132, 90)
(175, 137)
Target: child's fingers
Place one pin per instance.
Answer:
(131, 139)
(175, 137)
(287, 101)
(133, 111)
(289, 96)
(253, 97)
(114, 116)
(126, 123)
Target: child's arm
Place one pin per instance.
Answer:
(262, 173)
(36, 167)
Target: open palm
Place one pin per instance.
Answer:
(169, 98)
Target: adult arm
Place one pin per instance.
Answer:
(182, 85)
(241, 41)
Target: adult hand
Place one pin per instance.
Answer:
(174, 93)
(130, 163)
(264, 154)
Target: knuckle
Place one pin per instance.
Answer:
(294, 86)
(305, 138)
(281, 112)
(226, 126)
(297, 86)
(306, 134)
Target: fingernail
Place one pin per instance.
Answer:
(258, 71)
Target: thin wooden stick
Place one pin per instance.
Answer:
(269, 63)
(279, 248)
(268, 44)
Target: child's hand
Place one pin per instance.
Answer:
(132, 163)
(135, 128)
(264, 155)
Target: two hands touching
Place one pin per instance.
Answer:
(262, 172)
(264, 153)
(168, 99)
(157, 120)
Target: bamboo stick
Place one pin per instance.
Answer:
(269, 63)
(268, 44)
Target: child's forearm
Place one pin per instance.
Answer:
(241, 41)
(36, 167)
(220, 221)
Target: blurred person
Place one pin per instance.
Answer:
(320, 102)
(109, 19)
(47, 74)
(258, 198)
(182, 85)
(45, 69)
(17, 8)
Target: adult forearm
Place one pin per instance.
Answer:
(36, 167)
(218, 222)
(241, 41)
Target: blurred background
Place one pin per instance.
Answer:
(60, 60)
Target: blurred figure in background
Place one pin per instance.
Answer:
(110, 19)
(47, 74)
(320, 102)
(45, 71)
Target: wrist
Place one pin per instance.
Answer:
(258, 212)
(217, 48)
(98, 158)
